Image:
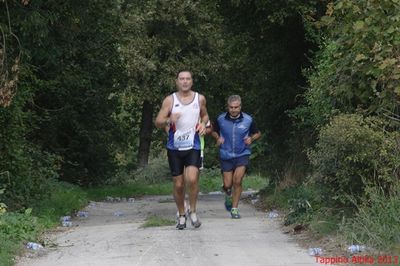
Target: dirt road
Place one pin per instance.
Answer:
(104, 239)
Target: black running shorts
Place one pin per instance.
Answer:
(179, 159)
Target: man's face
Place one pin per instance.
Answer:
(184, 82)
(234, 108)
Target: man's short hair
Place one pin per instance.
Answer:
(234, 98)
(184, 70)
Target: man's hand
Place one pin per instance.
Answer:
(201, 129)
(220, 141)
(248, 140)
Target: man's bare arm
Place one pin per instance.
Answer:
(162, 119)
(256, 136)
(203, 116)
(203, 110)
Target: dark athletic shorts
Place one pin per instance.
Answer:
(179, 159)
(232, 164)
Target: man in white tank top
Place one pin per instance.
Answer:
(185, 114)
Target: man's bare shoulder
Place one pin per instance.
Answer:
(202, 98)
(168, 99)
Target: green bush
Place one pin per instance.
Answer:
(210, 180)
(25, 169)
(155, 172)
(14, 229)
(63, 200)
(352, 153)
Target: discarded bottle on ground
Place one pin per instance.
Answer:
(356, 248)
(65, 218)
(315, 251)
(67, 223)
(273, 214)
(33, 245)
(131, 200)
(82, 214)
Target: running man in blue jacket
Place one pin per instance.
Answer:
(234, 132)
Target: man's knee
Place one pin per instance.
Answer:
(237, 182)
(192, 179)
(179, 182)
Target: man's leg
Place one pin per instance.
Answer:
(177, 170)
(179, 196)
(238, 175)
(192, 179)
(179, 193)
(227, 179)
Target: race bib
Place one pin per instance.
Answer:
(183, 140)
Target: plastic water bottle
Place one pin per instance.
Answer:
(108, 198)
(33, 246)
(118, 213)
(82, 214)
(215, 193)
(273, 214)
(254, 201)
(314, 251)
(356, 248)
(67, 223)
(65, 218)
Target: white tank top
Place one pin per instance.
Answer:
(183, 134)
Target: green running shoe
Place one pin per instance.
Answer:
(235, 213)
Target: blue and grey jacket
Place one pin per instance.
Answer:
(234, 131)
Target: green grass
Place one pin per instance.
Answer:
(211, 180)
(155, 221)
(374, 223)
(64, 200)
(304, 204)
(131, 190)
(377, 222)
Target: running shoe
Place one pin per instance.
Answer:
(235, 213)
(228, 202)
(194, 220)
(181, 222)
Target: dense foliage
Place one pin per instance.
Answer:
(352, 112)
(353, 154)
(59, 123)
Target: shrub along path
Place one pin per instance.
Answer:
(106, 239)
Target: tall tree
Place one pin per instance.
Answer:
(161, 38)
(70, 66)
(268, 48)
(358, 67)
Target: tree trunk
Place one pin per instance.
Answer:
(146, 129)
